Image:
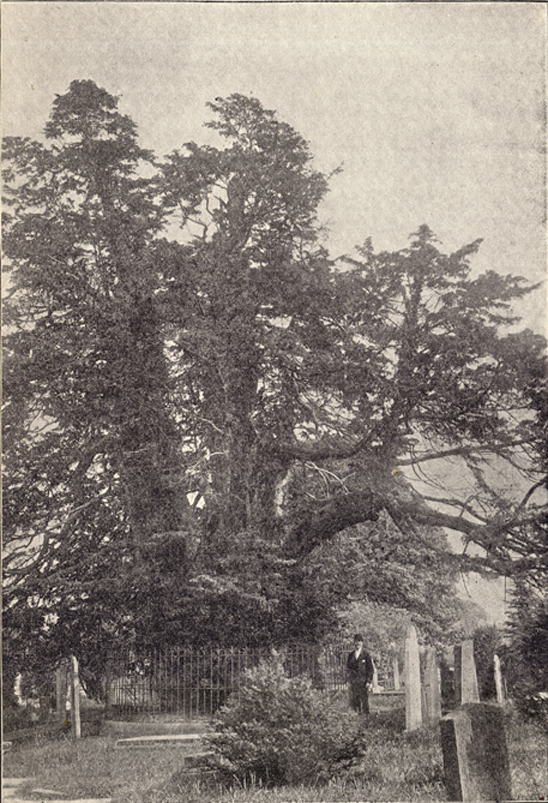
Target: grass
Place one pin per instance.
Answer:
(397, 766)
(528, 755)
(90, 767)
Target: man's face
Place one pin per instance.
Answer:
(358, 644)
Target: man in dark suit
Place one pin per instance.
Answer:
(360, 675)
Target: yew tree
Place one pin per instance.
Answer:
(312, 391)
(251, 292)
(89, 440)
(205, 424)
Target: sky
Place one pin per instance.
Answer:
(435, 111)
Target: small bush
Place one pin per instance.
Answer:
(283, 731)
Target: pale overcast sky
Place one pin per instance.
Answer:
(435, 110)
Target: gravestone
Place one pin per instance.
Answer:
(75, 699)
(475, 754)
(396, 673)
(466, 681)
(61, 691)
(432, 694)
(375, 681)
(413, 708)
(499, 686)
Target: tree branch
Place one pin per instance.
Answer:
(462, 451)
(322, 450)
(531, 491)
(325, 450)
(324, 520)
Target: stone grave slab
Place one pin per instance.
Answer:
(475, 754)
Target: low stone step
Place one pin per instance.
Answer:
(123, 729)
(160, 740)
(7, 782)
(64, 800)
(10, 789)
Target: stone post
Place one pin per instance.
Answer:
(413, 711)
(75, 707)
(396, 672)
(375, 681)
(499, 686)
(61, 691)
(466, 682)
(475, 754)
(432, 692)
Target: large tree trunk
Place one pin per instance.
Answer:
(323, 521)
(148, 439)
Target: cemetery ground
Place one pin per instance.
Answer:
(397, 766)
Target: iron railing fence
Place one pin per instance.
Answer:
(196, 682)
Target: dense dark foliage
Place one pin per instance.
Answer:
(283, 731)
(526, 653)
(195, 428)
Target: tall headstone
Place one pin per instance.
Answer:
(375, 682)
(432, 691)
(466, 681)
(396, 673)
(499, 686)
(61, 691)
(475, 754)
(75, 708)
(413, 708)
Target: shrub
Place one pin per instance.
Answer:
(283, 731)
(526, 656)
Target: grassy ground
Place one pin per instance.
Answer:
(398, 766)
(528, 754)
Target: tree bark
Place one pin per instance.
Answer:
(325, 520)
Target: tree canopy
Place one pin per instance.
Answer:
(204, 410)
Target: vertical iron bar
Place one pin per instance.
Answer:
(191, 679)
(178, 687)
(171, 679)
(186, 682)
(209, 697)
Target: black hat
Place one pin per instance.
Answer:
(358, 637)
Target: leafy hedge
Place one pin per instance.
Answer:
(283, 731)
